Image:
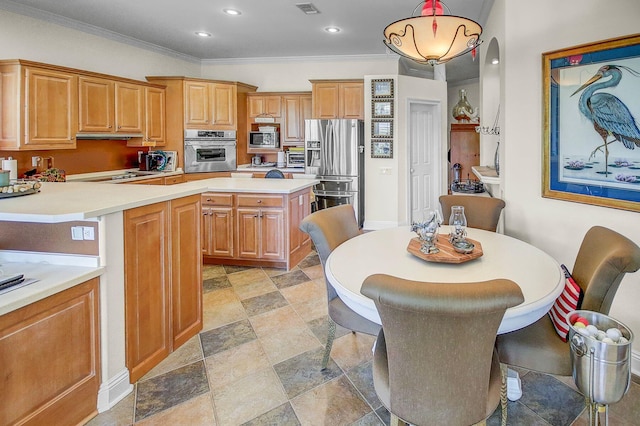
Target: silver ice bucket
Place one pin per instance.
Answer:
(601, 370)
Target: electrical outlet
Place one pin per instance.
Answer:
(87, 233)
(76, 233)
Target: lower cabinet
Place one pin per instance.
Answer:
(254, 229)
(163, 280)
(50, 359)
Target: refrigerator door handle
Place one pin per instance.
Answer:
(361, 149)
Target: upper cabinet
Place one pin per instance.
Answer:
(39, 107)
(338, 99)
(47, 107)
(297, 108)
(210, 106)
(265, 105)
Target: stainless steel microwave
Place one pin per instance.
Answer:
(264, 140)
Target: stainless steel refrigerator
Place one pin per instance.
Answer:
(334, 152)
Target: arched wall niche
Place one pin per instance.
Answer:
(490, 99)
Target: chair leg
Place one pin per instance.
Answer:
(503, 393)
(327, 350)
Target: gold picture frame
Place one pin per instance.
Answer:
(381, 108)
(382, 129)
(382, 88)
(381, 149)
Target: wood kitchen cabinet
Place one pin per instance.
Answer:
(297, 108)
(260, 227)
(464, 143)
(338, 99)
(210, 106)
(217, 225)
(39, 107)
(253, 229)
(50, 359)
(163, 300)
(264, 105)
(96, 105)
(129, 102)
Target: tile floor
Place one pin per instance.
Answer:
(256, 362)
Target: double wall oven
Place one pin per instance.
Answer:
(209, 150)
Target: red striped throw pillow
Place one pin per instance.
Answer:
(568, 301)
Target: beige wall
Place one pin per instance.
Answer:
(528, 30)
(22, 37)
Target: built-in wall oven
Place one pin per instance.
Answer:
(209, 150)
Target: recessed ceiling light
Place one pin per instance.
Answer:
(232, 12)
(332, 30)
(203, 34)
(495, 61)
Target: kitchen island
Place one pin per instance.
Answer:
(131, 230)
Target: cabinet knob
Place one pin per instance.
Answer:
(259, 201)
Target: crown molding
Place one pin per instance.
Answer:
(280, 60)
(42, 15)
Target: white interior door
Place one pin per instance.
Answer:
(424, 164)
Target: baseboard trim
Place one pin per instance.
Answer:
(114, 391)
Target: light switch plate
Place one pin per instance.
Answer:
(77, 233)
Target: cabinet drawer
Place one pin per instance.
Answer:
(171, 180)
(260, 201)
(217, 199)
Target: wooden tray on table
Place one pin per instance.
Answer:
(447, 254)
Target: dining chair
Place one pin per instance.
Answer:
(274, 174)
(603, 259)
(481, 212)
(434, 361)
(328, 228)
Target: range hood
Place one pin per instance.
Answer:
(113, 136)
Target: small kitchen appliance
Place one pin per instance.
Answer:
(209, 150)
(268, 140)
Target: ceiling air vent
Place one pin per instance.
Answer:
(307, 8)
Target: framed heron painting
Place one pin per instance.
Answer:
(592, 123)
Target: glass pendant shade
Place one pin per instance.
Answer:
(433, 39)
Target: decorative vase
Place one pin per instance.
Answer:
(496, 159)
(462, 111)
(458, 221)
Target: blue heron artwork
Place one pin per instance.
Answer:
(611, 118)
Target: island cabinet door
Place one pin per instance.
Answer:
(299, 208)
(186, 270)
(50, 359)
(272, 234)
(147, 297)
(248, 233)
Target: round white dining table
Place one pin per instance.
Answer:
(385, 252)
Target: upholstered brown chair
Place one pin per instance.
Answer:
(603, 259)
(434, 361)
(328, 228)
(481, 212)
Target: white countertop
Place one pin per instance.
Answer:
(67, 201)
(51, 279)
(252, 168)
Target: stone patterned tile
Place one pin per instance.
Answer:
(226, 337)
(265, 303)
(313, 309)
(170, 389)
(320, 327)
(362, 378)
(628, 409)
(384, 415)
(333, 403)
(304, 292)
(247, 290)
(247, 276)
(120, 415)
(231, 269)
(281, 416)
(312, 259)
(272, 272)
(284, 345)
(517, 414)
(352, 349)
(210, 271)
(302, 372)
(279, 320)
(220, 307)
(186, 354)
(247, 398)
(195, 412)
(214, 283)
(370, 419)
(294, 277)
(315, 272)
(551, 399)
(236, 363)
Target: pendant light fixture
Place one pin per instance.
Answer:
(433, 37)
